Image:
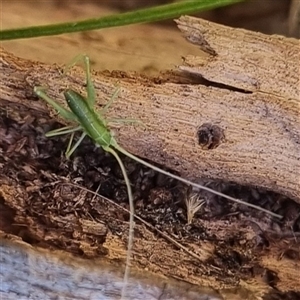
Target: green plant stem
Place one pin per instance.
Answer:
(152, 14)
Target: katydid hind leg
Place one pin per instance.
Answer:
(90, 89)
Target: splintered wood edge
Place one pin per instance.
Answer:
(244, 59)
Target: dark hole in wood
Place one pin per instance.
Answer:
(210, 136)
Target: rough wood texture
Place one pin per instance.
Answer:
(251, 94)
(47, 275)
(263, 126)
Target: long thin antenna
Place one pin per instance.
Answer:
(199, 186)
(131, 221)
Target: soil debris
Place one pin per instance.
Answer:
(43, 210)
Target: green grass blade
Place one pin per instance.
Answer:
(152, 14)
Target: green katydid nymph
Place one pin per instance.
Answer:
(94, 125)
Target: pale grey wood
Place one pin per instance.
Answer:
(27, 273)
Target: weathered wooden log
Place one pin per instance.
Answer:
(232, 116)
(251, 94)
(43, 274)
